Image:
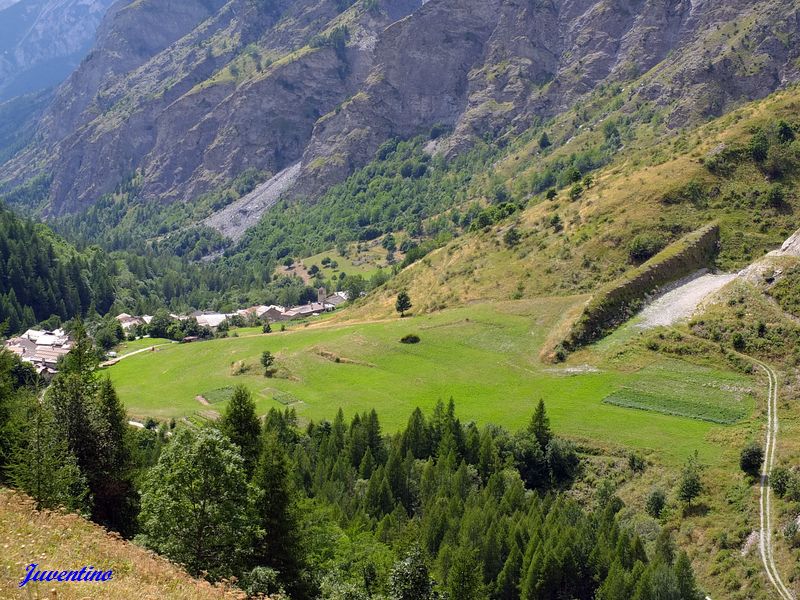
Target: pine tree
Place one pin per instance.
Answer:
(372, 433)
(403, 304)
(416, 437)
(508, 580)
(540, 426)
(488, 457)
(41, 462)
(367, 466)
(242, 426)
(544, 141)
(276, 511)
(685, 576)
(690, 486)
(114, 494)
(464, 580)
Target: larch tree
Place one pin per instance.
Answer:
(242, 426)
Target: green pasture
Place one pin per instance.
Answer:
(484, 356)
(688, 392)
(132, 346)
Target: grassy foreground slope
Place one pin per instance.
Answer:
(59, 541)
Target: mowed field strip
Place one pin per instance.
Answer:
(484, 356)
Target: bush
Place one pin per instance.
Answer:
(751, 458)
(636, 463)
(562, 460)
(411, 338)
(656, 501)
(644, 246)
(792, 534)
(779, 480)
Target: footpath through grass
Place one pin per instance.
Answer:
(483, 356)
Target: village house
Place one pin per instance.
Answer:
(127, 321)
(41, 348)
(311, 309)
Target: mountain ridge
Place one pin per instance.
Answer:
(216, 97)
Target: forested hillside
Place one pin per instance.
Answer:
(43, 277)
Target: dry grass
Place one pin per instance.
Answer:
(590, 247)
(58, 541)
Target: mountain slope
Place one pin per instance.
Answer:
(239, 85)
(650, 195)
(42, 41)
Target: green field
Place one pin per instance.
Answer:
(484, 356)
(132, 346)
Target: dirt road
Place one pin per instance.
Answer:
(765, 503)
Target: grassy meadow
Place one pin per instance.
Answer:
(484, 356)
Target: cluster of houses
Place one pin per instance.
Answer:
(42, 349)
(266, 313)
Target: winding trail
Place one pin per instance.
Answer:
(765, 504)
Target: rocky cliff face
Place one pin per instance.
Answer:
(42, 41)
(190, 94)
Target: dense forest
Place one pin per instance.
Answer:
(42, 277)
(333, 509)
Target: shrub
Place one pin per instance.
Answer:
(562, 460)
(636, 463)
(511, 237)
(775, 196)
(691, 192)
(751, 458)
(779, 480)
(759, 146)
(792, 534)
(644, 246)
(656, 501)
(411, 338)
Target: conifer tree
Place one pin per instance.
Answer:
(41, 462)
(685, 576)
(115, 501)
(416, 437)
(464, 580)
(242, 426)
(540, 426)
(403, 304)
(690, 485)
(508, 580)
(276, 510)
